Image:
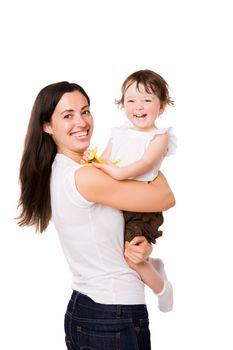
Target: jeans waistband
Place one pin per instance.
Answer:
(83, 299)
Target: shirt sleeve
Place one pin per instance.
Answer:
(72, 190)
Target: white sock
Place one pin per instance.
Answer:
(165, 297)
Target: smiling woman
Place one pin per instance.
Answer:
(85, 205)
(71, 125)
(38, 156)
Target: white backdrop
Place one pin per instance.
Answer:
(97, 44)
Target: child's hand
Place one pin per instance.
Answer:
(87, 156)
(90, 156)
(110, 169)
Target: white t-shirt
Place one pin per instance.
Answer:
(92, 239)
(129, 145)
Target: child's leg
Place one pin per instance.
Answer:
(165, 297)
(143, 224)
(150, 276)
(153, 275)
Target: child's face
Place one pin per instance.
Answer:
(141, 108)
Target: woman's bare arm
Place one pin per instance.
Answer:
(96, 186)
(152, 156)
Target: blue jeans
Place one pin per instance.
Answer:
(94, 326)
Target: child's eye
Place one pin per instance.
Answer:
(147, 100)
(130, 100)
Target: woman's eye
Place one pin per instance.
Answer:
(67, 116)
(87, 112)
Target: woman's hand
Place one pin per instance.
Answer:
(137, 251)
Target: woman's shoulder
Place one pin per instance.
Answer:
(63, 166)
(63, 180)
(64, 161)
(91, 182)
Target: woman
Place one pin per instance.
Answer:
(107, 308)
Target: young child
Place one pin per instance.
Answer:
(140, 148)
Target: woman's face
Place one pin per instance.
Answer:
(71, 125)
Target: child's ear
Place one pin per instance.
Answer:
(162, 108)
(47, 128)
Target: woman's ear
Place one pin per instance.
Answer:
(47, 128)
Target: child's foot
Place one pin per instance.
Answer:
(165, 297)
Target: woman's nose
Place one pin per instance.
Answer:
(79, 120)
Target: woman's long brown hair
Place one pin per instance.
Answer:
(38, 156)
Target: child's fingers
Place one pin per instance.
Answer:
(85, 157)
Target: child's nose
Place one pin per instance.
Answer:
(139, 105)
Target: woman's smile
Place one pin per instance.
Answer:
(79, 134)
(71, 125)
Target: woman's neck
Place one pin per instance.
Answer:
(75, 156)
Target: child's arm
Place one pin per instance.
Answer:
(154, 153)
(105, 156)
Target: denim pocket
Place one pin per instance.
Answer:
(106, 334)
(142, 331)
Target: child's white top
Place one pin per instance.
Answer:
(92, 238)
(129, 145)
